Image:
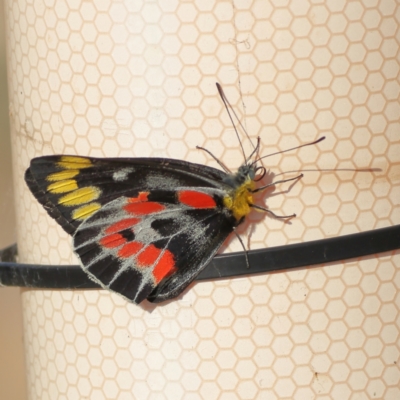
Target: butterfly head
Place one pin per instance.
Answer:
(245, 173)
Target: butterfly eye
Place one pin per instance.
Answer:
(260, 175)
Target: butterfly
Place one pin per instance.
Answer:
(145, 227)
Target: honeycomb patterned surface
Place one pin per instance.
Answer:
(119, 78)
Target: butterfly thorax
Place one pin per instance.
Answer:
(240, 198)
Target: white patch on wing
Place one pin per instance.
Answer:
(122, 174)
(161, 182)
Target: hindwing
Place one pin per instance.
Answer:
(154, 244)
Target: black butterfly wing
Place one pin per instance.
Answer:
(73, 188)
(153, 245)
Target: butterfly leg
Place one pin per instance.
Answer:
(244, 248)
(274, 183)
(272, 213)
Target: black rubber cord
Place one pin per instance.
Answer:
(222, 266)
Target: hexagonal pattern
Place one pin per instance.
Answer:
(114, 78)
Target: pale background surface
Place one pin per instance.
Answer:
(12, 373)
(108, 79)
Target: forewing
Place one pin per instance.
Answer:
(153, 245)
(72, 188)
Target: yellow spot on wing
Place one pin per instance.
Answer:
(85, 211)
(71, 162)
(63, 186)
(80, 196)
(62, 175)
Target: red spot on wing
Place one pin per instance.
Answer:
(121, 225)
(144, 208)
(164, 267)
(130, 249)
(195, 199)
(141, 197)
(148, 256)
(111, 241)
(151, 256)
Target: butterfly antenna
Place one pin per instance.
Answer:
(215, 158)
(255, 150)
(230, 109)
(293, 148)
